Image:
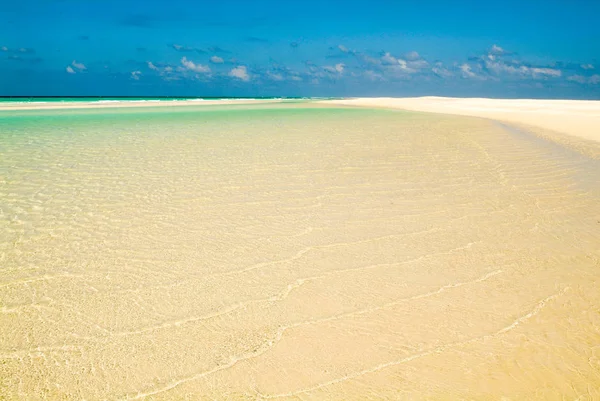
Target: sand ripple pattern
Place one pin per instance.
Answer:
(294, 252)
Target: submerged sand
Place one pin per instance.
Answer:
(294, 252)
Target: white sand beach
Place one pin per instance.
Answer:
(579, 118)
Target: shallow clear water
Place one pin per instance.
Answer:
(293, 251)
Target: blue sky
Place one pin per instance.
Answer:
(510, 48)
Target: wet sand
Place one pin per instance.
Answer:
(294, 252)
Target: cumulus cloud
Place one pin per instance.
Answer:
(336, 69)
(417, 64)
(190, 65)
(441, 71)
(403, 67)
(388, 59)
(70, 70)
(539, 72)
(152, 66)
(499, 67)
(368, 59)
(497, 50)
(587, 66)
(274, 76)
(412, 56)
(343, 48)
(135, 75)
(79, 66)
(216, 60)
(594, 79)
(400, 66)
(240, 72)
(467, 72)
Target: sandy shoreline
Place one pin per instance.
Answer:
(579, 118)
(126, 103)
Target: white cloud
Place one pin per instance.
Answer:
(79, 66)
(550, 72)
(343, 48)
(418, 64)
(412, 56)
(152, 66)
(136, 75)
(499, 67)
(467, 72)
(336, 69)
(240, 72)
(369, 59)
(594, 79)
(387, 58)
(4, 48)
(216, 60)
(296, 78)
(274, 76)
(70, 70)
(578, 78)
(190, 65)
(404, 66)
(169, 68)
(442, 72)
(587, 66)
(497, 50)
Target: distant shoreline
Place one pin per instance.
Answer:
(577, 118)
(110, 103)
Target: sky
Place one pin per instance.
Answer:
(329, 48)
